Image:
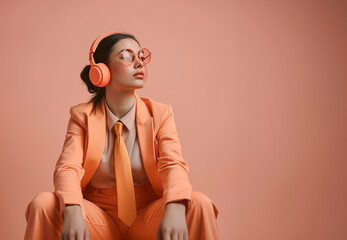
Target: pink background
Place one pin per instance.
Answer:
(258, 89)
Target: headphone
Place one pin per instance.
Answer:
(99, 73)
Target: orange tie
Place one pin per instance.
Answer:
(125, 185)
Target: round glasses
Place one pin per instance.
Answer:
(128, 56)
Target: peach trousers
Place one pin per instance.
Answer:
(44, 222)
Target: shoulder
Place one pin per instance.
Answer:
(160, 111)
(81, 111)
(80, 108)
(157, 109)
(154, 104)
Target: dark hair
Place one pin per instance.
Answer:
(102, 53)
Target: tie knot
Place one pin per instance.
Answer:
(118, 127)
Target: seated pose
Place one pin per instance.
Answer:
(120, 174)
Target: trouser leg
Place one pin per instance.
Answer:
(42, 217)
(201, 219)
(44, 222)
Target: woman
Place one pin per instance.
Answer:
(120, 174)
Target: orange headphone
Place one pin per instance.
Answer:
(99, 73)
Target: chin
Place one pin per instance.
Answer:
(138, 85)
(130, 86)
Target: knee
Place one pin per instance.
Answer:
(43, 201)
(200, 199)
(202, 202)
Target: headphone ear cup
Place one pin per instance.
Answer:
(99, 74)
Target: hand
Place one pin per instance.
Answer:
(173, 225)
(75, 228)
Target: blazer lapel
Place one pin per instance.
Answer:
(95, 142)
(146, 138)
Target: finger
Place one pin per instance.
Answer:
(79, 236)
(86, 235)
(159, 234)
(174, 236)
(70, 237)
(185, 236)
(166, 235)
(180, 236)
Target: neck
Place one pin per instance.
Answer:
(120, 102)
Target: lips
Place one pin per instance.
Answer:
(139, 74)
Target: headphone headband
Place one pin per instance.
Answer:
(99, 73)
(95, 44)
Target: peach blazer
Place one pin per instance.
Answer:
(159, 146)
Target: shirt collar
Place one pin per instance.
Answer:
(128, 119)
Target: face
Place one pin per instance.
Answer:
(121, 73)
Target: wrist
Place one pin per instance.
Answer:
(177, 205)
(71, 206)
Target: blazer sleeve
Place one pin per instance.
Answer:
(68, 171)
(172, 169)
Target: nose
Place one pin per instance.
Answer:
(138, 62)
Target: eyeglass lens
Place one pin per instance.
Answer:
(129, 56)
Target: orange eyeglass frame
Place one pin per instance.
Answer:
(133, 59)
